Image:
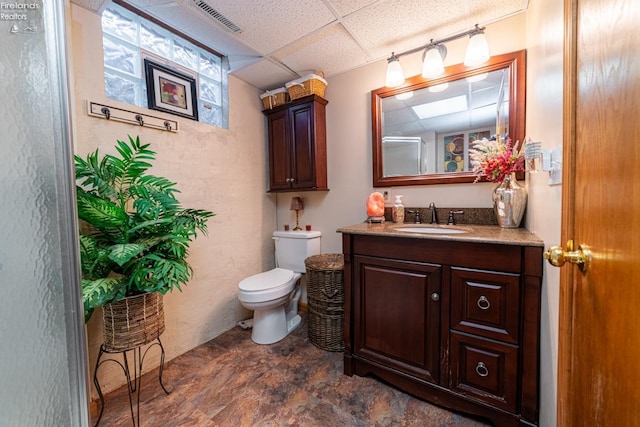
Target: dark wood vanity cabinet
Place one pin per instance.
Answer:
(297, 145)
(456, 323)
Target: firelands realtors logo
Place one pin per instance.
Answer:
(14, 11)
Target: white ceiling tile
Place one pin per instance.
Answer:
(345, 7)
(268, 25)
(265, 75)
(331, 50)
(406, 24)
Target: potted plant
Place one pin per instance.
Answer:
(134, 234)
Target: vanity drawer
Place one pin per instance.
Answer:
(485, 303)
(485, 370)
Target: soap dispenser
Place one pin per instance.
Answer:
(397, 211)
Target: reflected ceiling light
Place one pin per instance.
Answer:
(442, 107)
(439, 88)
(432, 65)
(477, 77)
(404, 95)
(477, 49)
(395, 75)
(434, 54)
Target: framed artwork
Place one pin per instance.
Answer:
(454, 153)
(171, 91)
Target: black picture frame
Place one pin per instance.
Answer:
(170, 91)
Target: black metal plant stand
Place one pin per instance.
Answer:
(134, 384)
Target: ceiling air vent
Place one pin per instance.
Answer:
(204, 6)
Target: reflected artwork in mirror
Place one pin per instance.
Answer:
(423, 129)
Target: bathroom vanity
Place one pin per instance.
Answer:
(453, 319)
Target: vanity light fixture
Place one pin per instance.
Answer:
(432, 65)
(434, 54)
(477, 49)
(395, 75)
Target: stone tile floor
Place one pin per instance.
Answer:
(230, 381)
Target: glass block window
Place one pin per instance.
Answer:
(129, 38)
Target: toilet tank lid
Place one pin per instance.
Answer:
(297, 234)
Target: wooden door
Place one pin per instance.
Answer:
(280, 174)
(302, 146)
(599, 348)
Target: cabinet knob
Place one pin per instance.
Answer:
(483, 303)
(435, 296)
(481, 369)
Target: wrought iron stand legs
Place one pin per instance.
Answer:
(133, 384)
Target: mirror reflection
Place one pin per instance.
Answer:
(423, 130)
(430, 130)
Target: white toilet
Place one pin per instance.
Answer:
(273, 295)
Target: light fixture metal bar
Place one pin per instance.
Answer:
(445, 40)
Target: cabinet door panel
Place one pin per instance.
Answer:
(485, 303)
(302, 146)
(279, 152)
(397, 319)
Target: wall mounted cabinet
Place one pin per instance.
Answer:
(456, 323)
(298, 145)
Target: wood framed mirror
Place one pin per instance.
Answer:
(422, 130)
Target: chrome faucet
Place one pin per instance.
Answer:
(416, 218)
(434, 213)
(451, 220)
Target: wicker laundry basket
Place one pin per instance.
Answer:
(325, 296)
(132, 322)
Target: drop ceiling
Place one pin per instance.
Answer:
(280, 40)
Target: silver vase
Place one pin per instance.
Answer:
(509, 202)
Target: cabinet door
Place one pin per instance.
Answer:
(397, 314)
(302, 146)
(279, 151)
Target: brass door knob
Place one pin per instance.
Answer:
(558, 256)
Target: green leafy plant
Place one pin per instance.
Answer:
(134, 234)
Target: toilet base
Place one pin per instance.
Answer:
(273, 324)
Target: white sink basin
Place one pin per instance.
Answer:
(431, 230)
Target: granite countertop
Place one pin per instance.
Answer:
(474, 233)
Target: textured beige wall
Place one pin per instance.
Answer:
(216, 169)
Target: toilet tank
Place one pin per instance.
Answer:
(293, 247)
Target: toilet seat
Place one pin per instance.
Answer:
(268, 285)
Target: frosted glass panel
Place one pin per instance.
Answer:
(210, 66)
(120, 88)
(42, 365)
(184, 54)
(154, 39)
(209, 113)
(121, 24)
(210, 90)
(120, 56)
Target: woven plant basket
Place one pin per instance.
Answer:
(132, 322)
(325, 296)
(313, 84)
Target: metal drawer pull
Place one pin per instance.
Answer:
(481, 369)
(483, 303)
(435, 296)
